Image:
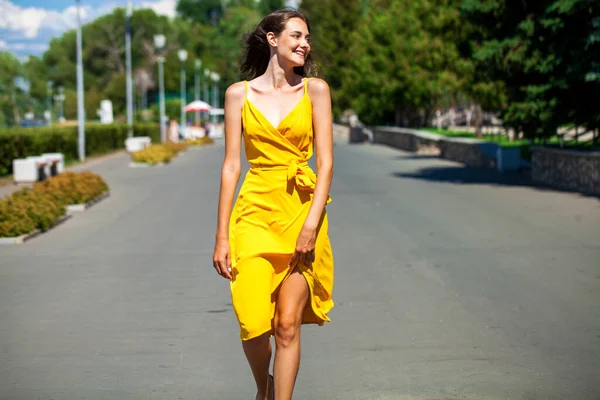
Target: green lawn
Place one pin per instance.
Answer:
(523, 144)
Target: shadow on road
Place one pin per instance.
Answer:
(479, 176)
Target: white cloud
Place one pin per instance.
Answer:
(3, 45)
(29, 21)
(162, 7)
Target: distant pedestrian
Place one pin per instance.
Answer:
(274, 247)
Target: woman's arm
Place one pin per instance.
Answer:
(323, 133)
(318, 91)
(230, 175)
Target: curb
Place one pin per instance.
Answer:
(85, 206)
(27, 236)
(145, 165)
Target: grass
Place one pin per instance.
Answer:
(523, 144)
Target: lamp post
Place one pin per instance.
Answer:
(206, 82)
(198, 64)
(182, 57)
(215, 78)
(159, 43)
(49, 85)
(128, 62)
(80, 109)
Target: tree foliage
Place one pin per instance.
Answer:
(403, 61)
(546, 54)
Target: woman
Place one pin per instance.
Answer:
(274, 247)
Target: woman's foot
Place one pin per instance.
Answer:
(270, 390)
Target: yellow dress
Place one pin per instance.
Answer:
(268, 215)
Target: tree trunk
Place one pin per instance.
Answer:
(478, 116)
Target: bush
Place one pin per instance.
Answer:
(45, 202)
(99, 139)
(200, 141)
(157, 153)
(177, 147)
(73, 188)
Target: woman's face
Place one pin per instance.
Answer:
(293, 43)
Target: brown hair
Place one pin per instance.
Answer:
(257, 49)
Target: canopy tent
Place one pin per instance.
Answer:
(197, 105)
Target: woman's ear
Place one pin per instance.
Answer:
(271, 39)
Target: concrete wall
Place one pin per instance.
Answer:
(569, 170)
(407, 139)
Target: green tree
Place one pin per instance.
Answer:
(332, 23)
(404, 61)
(268, 6)
(547, 56)
(10, 69)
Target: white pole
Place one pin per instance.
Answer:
(128, 62)
(161, 84)
(197, 89)
(80, 109)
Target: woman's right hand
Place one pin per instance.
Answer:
(222, 258)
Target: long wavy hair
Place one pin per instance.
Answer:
(257, 49)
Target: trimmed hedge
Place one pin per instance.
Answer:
(99, 139)
(155, 154)
(200, 141)
(40, 206)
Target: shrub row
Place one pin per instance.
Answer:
(200, 141)
(40, 206)
(23, 142)
(158, 153)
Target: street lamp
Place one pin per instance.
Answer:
(49, 85)
(182, 54)
(128, 62)
(80, 109)
(197, 64)
(159, 43)
(215, 78)
(206, 83)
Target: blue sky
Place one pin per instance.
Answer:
(26, 26)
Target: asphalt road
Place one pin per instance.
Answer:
(451, 283)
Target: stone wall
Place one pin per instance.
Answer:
(407, 139)
(569, 170)
(470, 152)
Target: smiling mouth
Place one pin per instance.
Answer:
(300, 53)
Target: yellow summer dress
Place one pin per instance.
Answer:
(268, 215)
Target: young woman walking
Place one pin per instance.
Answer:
(274, 246)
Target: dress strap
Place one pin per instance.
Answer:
(306, 84)
(246, 85)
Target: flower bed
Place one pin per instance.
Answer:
(41, 206)
(200, 141)
(158, 154)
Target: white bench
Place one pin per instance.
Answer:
(55, 163)
(29, 170)
(137, 143)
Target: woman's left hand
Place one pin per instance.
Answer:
(305, 247)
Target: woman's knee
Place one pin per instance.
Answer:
(287, 329)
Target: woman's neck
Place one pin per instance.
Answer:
(278, 76)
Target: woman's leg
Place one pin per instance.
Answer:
(258, 353)
(251, 295)
(291, 301)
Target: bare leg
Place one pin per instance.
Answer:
(258, 353)
(292, 299)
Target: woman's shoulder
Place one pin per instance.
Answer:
(236, 90)
(317, 86)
